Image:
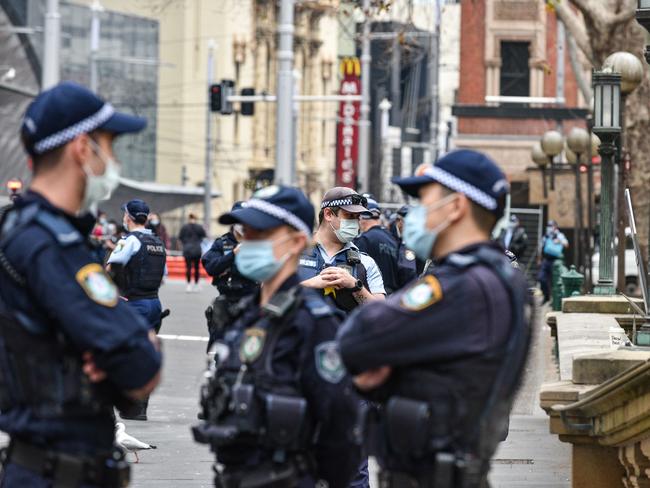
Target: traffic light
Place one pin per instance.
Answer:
(227, 89)
(219, 93)
(215, 97)
(247, 108)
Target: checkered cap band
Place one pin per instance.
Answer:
(279, 213)
(84, 126)
(455, 183)
(337, 203)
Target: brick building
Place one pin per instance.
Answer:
(509, 48)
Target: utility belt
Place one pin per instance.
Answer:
(414, 444)
(239, 417)
(69, 471)
(266, 475)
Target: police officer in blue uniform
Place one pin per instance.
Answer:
(279, 408)
(334, 264)
(70, 349)
(408, 264)
(443, 356)
(219, 262)
(137, 265)
(381, 246)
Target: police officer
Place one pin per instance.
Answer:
(408, 264)
(380, 245)
(137, 265)
(334, 264)
(70, 349)
(219, 262)
(444, 355)
(279, 408)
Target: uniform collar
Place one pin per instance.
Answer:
(83, 223)
(348, 245)
(143, 231)
(471, 249)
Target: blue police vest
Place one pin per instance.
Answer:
(144, 271)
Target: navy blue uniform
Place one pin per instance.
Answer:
(381, 246)
(293, 356)
(65, 294)
(444, 337)
(219, 262)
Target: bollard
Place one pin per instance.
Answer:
(556, 283)
(572, 282)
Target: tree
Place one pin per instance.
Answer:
(600, 28)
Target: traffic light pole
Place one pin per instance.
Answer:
(364, 122)
(51, 42)
(284, 142)
(207, 184)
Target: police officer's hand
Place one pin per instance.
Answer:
(338, 277)
(90, 369)
(236, 249)
(317, 282)
(372, 379)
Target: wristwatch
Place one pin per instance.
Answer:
(358, 286)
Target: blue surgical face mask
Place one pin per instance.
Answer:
(415, 234)
(348, 230)
(256, 260)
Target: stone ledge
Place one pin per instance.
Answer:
(593, 369)
(611, 304)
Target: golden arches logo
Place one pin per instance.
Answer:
(350, 66)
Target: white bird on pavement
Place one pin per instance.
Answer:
(129, 443)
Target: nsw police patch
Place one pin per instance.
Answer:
(328, 362)
(409, 255)
(252, 344)
(424, 293)
(97, 285)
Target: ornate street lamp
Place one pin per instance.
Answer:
(552, 145)
(540, 159)
(607, 126)
(643, 18)
(577, 145)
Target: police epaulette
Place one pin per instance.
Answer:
(60, 228)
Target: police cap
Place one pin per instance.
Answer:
(345, 198)
(138, 210)
(58, 115)
(274, 206)
(465, 171)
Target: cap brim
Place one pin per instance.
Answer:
(355, 209)
(252, 217)
(412, 184)
(121, 123)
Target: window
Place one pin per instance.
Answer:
(515, 73)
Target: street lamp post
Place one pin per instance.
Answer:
(577, 143)
(552, 145)
(540, 159)
(607, 126)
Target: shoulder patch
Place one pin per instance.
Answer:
(252, 345)
(422, 294)
(328, 362)
(60, 228)
(97, 285)
(409, 255)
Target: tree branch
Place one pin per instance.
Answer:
(626, 13)
(585, 89)
(576, 27)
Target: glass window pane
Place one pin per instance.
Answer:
(598, 105)
(607, 105)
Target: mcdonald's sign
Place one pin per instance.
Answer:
(347, 129)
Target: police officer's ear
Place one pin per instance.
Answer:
(299, 243)
(459, 208)
(80, 149)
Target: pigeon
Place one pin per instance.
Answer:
(129, 443)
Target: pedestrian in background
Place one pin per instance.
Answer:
(551, 247)
(71, 350)
(191, 236)
(513, 237)
(158, 228)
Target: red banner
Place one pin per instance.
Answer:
(347, 129)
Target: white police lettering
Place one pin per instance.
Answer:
(310, 263)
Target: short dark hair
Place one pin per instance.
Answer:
(321, 214)
(484, 219)
(191, 216)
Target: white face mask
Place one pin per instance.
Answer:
(100, 187)
(347, 231)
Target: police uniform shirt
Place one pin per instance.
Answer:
(127, 247)
(68, 291)
(313, 262)
(304, 359)
(219, 262)
(381, 246)
(443, 336)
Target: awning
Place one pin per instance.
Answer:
(160, 198)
